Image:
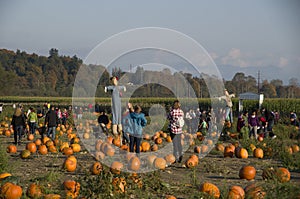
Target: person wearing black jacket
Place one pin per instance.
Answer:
(18, 123)
(51, 121)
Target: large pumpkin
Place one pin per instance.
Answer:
(11, 149)
(11, 191)
(247, 172)
(210, 189)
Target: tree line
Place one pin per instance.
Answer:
(23, 74)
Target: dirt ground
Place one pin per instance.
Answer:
(213, 168)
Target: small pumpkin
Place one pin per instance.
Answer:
(25, 154)
(96, 168)
(170, 158)
(116, 167)
(30, 137)
(70, 165)
(258, 153)
(145, 146)
(254, 191)
(158, 140)
(34, 191)
(38, 142)
(210, 189)
(241, 153)
(71, 188)
(52, 196)
(154, 147)
(236, 192)
(247, 172)
(68, 151)
(150, 160)
(229, 151)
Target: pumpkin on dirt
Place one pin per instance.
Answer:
(10, 191)
(247, 172)
(76, 147)
(192, 161)
(43, 149)
(160, 163)
(170, 158)
(241, 153)
(116, 167)
(150, 160)
(145, 146)
(52, 196)
(72, 188)
(281, 174)
(229, 151)
(236, 192)
(210, 189)
(25, 154)
(119, 184)
(30, 137)
(254, 191)
(134, 164)
(258, 153)
(11, 149)
(70, 164)
(96, 168)
(31, 146)
(4, 175)
(34, 191)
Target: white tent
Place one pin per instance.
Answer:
(250, 96)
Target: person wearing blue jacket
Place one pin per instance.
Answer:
(138, 122)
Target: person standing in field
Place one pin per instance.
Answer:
(32, 121)
(51, 121)
(138, 123)
(176, 130)
(18, 124)
(116, 105)
(253, 123)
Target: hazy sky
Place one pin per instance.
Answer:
(256, 33)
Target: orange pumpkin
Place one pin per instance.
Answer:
(204, 149)
(76, 148)
(38, 142)
(30, 137)
(258, 153)
(109, 150)
(170, 158)
(247, 172)
(210, 189)
(7, 133)
(71, 188)
(117, 141)
(295, 148)
(283, 174)
(70, 165)
(154, 147)
(96, 168)
(11, 149)
(254, 191)
(116, 167)
(119, 184)
(134, 164)
(229, 151)
(160, 163)
(150, 160)
(220, 147)
(34, 191)
(68, 151)
(241, 153)
(158, 140)
(99, 155)
(31, 147)
(11, 191)
(145, 146)
(43, 149)
(52, 149)
(52, 196)
(168, 139)
(197, 149)
(236, 192)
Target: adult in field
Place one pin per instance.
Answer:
(116, 105)
(18, 124)
(32, 120)
(176, 130)
(51, 121)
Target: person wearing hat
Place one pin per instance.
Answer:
(116, 105)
